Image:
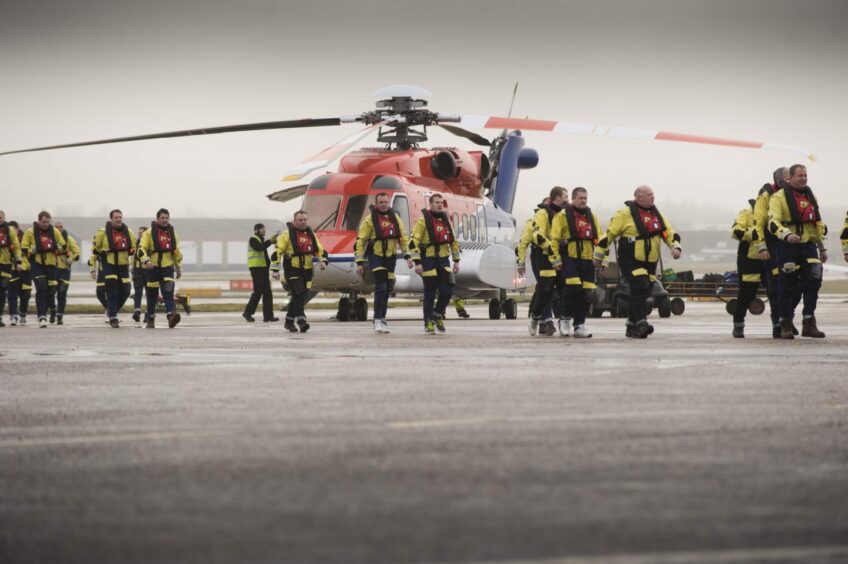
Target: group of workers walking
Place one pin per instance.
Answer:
(781, 246)
(42, 256)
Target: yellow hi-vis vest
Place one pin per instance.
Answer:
(255, 259)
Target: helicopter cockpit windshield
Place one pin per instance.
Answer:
(354, 210)
(323, 211)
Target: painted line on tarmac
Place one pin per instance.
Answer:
(435, 423)
(725, 556)
(111, 438)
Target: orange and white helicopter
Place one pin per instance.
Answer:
(479, 188)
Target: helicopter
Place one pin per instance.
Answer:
(479, 187)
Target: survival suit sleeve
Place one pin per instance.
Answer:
(366, 230)
(559, 233)
(416, 242)
(778, 215)
(616, 227)
(74, 248)
(403, 241)
(670, 236)
(526, 237)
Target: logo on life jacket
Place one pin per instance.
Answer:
(304, 243)
(584, 227)
(441, 230)
(805, 208)
(387, 227)
(650, 221)
(120, 240)
(164, 240)
(45, 241)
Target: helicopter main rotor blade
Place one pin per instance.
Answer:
(470, 135)
(328, 155)
(192, 132)
(618, 131)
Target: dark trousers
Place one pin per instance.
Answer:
(441, 284)
(117, 287)
(138, 289)
(640, 288)
(540, 303)
(6, 285)
(19, 292)
(383, 269)
(800, 276)
(160, 278)
(299, 280)
(100, 292)
(747, 267)
(575, 297)
(60, 296)
(44, 279)
(261, 290)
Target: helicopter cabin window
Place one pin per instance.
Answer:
(319, 182)
(323, 211)
(465, 226)
(385, 183)
(401, 207)
(354, 210)
(472, 228)
(456, 225)
(481, 221)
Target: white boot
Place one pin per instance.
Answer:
(580, 332)
(565, 327)
(13, 321)
(384, 326)
(532, 326)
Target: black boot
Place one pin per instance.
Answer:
(809, 328)
(786, 329)
(738, 331)
(289, 325)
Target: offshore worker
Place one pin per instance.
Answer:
(795, 219)
(431, 248)
(162, 260)
(296, 249)
(574, 234)
(10, 260)
(138, 272)
(259, 265)
(67, 256)
(751, 265)
(844, 238)
(768, 253)
(537, 235)
(43, 242)
(640, 227)
(20, 286)
(381, 236)
(115, 244)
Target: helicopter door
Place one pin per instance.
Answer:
(400, 205)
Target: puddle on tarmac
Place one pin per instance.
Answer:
(85, 353)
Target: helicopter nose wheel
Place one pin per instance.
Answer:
(352, 308)
(507, 307)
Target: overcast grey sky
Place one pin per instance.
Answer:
(73, 71)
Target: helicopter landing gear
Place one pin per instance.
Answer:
(352, 308)
(343, 314)
(503, 306)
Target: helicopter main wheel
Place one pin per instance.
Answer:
(360, 309)
(510, 308)
(757, 307)
(678, 306)
(494, 308)
(343, 314)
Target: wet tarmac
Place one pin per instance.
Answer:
(222, 441)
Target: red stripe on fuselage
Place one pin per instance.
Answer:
(515, 123)
(668, 136)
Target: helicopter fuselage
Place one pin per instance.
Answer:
(337, 203)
